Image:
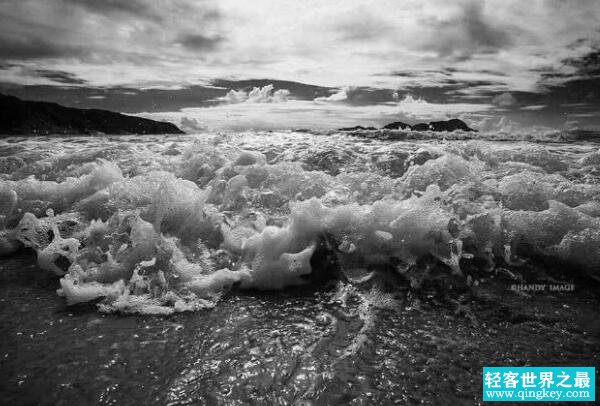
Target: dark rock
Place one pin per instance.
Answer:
(324, 261)
(449, 125)
(421, 127)
(357, 128)
(396, 125)
(18, 117)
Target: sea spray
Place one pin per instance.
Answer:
(145, 230)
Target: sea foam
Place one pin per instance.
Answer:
(165, 225)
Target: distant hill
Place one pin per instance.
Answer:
(448, 125)
(18, 117)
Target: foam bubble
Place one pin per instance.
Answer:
(156, 233)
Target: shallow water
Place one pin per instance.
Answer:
(276, 348)
(294, 267)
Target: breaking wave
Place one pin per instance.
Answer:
(168, 224)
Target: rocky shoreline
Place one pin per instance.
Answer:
(19, 117)
(436, 126)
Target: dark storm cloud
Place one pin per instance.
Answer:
(587, 64)
(576, 80)
(123, 99)
(466, 34)
(133, 7)
(445, 72)
(132, 100)
(60, 76)
(403, 74)
(111, 30)
(23, 47)
(575, 91)
(584, 86)
(466, 84)
(364, 96)
(414, 74)
(199, 42)
(558, 97)
(553, 75)
(489, 72)
(415, 49)
(204, 11)
(443, 86)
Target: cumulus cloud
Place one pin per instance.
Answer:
(409, 106)
(452, 52)
(191, 124)
(420, 109)
(504, 100)
(339, 96)
(265, 94)
(316, 114)
(360, 96)
(505, 125)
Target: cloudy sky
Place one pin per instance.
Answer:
(282, 63)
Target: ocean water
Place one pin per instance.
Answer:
(292, 267)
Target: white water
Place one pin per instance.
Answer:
(164, 224)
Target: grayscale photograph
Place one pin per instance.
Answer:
(299, 202)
